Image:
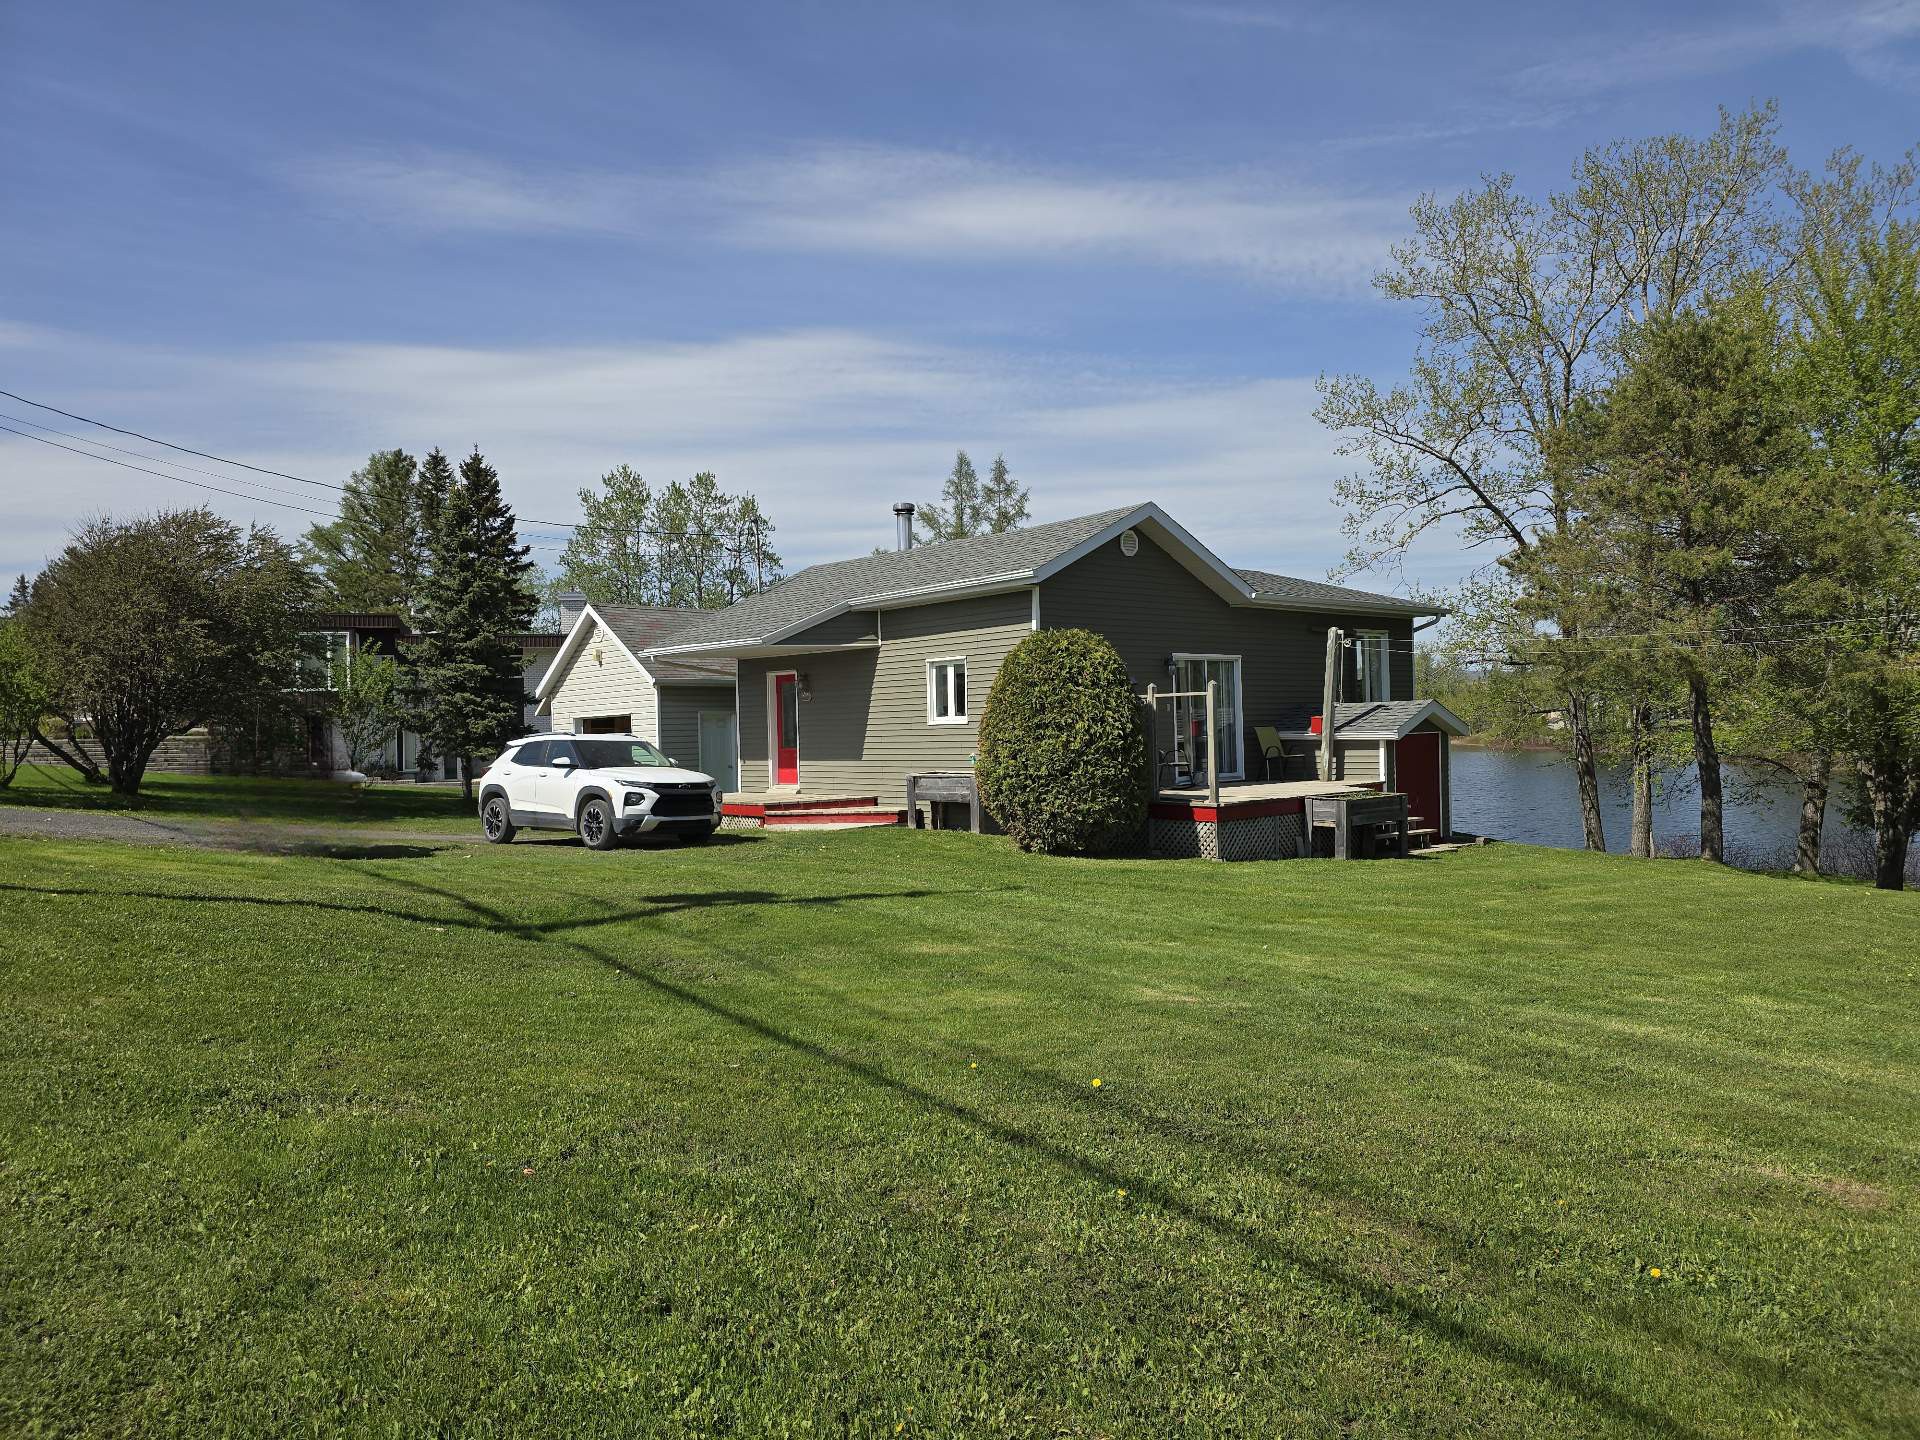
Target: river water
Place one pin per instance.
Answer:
(1530, 795)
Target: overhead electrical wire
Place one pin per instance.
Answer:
(656, 535)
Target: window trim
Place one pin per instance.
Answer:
(1362, 640)
(934, 663)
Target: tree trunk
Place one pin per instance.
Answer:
(466, 777)
(1587, 772)
(1892, 823)
(1813, 814)
(1706, 758)
(1890, 844)
(1640, 841)
(89, 771)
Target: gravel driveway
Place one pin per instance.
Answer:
(210, 834)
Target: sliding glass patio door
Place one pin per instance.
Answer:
(1191, 674)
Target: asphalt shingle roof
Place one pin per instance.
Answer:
(1353, 719)
(641, 627)
(1318, 593)
(822, 589)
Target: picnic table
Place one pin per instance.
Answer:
(1361, 815)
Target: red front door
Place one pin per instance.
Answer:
(786, 730)
(1418, 774)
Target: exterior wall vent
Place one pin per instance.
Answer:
(1129, 543)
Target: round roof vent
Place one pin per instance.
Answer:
(1129, 543)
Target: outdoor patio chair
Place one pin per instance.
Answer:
(1273, 752)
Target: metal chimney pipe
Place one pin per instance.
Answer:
(903, 525)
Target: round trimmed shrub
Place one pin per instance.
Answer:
(1062, 762)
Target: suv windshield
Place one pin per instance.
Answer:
(612, 754)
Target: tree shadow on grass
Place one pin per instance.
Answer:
(489, 920)
(1455, 1240)
(1381, 1298)
(322, 851)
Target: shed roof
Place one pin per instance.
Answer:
(1371, 719)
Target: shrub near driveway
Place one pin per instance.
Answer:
(799, 1136)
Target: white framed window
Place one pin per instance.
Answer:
(1191, 673)
(1376, 670)
(323, 661)
(947, 690)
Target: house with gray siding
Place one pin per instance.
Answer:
(599, 683)
(852, 675)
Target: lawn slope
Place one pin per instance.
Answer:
(801, 1135)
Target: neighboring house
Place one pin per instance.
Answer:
(342, 634)
(599, 683)
(853, 674)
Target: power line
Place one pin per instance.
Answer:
(164, 475)
(656, 535)
(140, 455)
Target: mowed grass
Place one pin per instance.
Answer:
(801, 1136)
(432, 808)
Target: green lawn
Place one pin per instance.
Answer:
(240, 797)
(800, 1135)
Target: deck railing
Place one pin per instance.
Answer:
(1153, 697)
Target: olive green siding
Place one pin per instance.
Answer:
(852, 628)
(680, 707)
(601, 680)
(1150, 607)
(866, 726)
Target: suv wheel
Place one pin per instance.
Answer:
(596, 824)
(497, 820)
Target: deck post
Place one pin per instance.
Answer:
(1328, 691)
(1213, 749)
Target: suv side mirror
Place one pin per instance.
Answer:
(562, 763)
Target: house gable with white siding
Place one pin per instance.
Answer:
(599, 682)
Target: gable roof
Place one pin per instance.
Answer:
(983, 564)
(1318, 595)
(636, 629)
(1370, 719)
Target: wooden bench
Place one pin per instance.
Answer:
(954, 787)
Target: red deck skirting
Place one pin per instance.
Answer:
(1228, 810)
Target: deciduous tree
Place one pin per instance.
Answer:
(1527, 306)
(145, 628)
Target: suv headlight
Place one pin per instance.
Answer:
(637, 798)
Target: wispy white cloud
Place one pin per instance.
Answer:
(827, 427)
(1863, 33)
(908, 204)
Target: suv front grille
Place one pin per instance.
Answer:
(695, 800)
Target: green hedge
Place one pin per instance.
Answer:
(1063, 747)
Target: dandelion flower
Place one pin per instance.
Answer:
(1096, 1082)
(1654, 1272)
(973, 1065)
(1121, 1192)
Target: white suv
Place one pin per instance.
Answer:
(604, 786)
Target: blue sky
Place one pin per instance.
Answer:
(812, 247)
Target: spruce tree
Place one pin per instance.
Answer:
(475, 599)
(369, 559)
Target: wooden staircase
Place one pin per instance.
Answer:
(839, 812)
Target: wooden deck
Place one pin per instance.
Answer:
(1236, 792)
